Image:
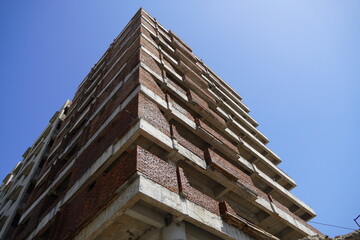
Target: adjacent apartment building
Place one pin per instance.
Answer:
(154, 145)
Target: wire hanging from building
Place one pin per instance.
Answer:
(330, 225)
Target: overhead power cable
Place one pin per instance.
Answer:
(330, 225)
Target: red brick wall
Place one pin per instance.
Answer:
(151, 83)
(181, 107)
(92, 198)
(217, 135)
(188, 139)
(115, 130)
(150, 62)
(150, 112)
(157, 169)
(225, 166)
(194, 195)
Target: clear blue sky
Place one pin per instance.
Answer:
(295, 63)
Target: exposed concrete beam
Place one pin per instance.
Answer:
(284, 232)
(167, 200)
(146, 215)
(196, 233)
(151, 234)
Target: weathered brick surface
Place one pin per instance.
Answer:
(144, 15)
(144, 42)
(214, 115)
(126, 89)
(114, 131)
(193, 74)
(188, 139)
(146, 24)
(100, 144)
(150, 62)
(168, 52)
(213, 77)
(24, 230)
(147, 33)
(98, 194)
(129, 34)
(56, 168)
(57, 141)
(38, 213)
(170, 65)
(215, 134)
(195, 195)
(181, 107)
(191, 64)
(64, 129)
(225, 208)
(127, 86)
(164, 37)
(152, 114)
(120, 40)
(131, 60)
(151, 82)
(131, 48)
(222, 164)
(157, 169)
(171, 80)
(177, 43)
(201, 87)
(204, 107)
(196, 99)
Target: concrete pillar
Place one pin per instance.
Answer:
(174, 231)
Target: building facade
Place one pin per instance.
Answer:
(154, 145)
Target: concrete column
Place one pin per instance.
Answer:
(174, 231)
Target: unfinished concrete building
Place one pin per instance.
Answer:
(154, 145)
